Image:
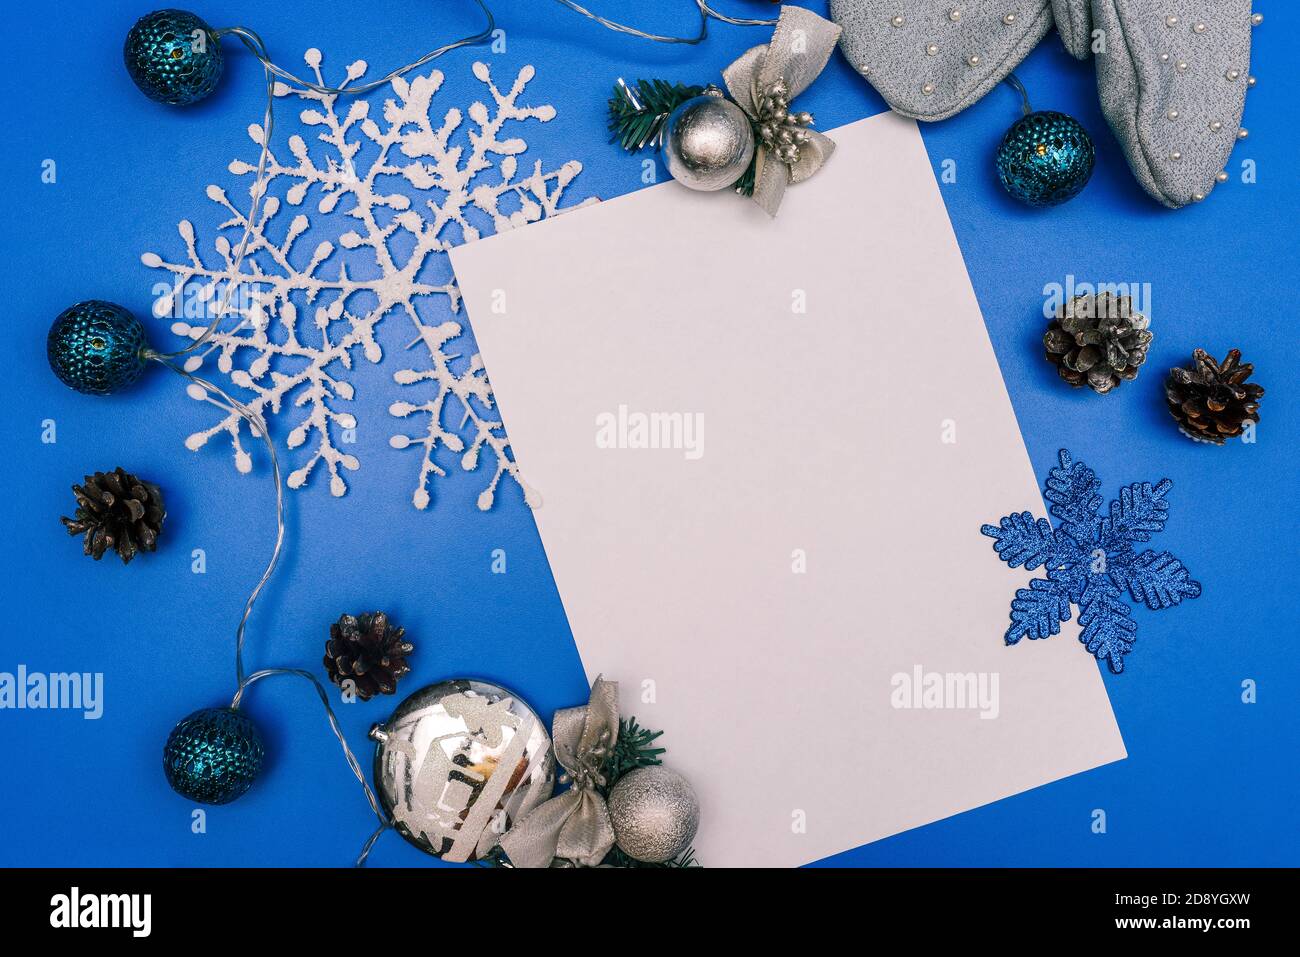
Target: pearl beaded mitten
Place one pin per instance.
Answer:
(1074, 24)
(1172, 74)
(932, 60)
(1173, 87)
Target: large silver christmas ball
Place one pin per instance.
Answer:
(458, 763)
(709, 143)
(655, 814)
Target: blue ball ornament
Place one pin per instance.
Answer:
(213, 756)
(173, 57)
(96, 347)
(1045, 158)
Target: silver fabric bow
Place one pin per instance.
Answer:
(575, 825)
(800, 47)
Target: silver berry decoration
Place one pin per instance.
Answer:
(655, 814)
(709, 142)
(781, 131)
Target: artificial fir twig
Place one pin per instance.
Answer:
(632, 750)
(745, 185)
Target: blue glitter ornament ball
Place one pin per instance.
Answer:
(1046, 158)
(213, 756)
(96, 347)
(173, 57)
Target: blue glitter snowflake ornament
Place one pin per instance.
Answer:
(1090, 561)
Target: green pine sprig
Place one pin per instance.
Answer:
(637, 114)
(634, 749)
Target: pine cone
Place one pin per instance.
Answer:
(116, 510)
(1097, 341)
(1213, 401)
(369, 651)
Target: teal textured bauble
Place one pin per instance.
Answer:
(1046, 158)
(173, 57)
(96, 347)
(213, 756)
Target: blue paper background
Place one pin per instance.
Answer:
(1209, 780)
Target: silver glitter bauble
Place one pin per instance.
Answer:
(655, 814)
(708, 143)
(457, 763)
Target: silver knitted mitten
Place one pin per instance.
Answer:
(1172, 74)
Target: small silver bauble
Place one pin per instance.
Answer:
(708, 142)
(655, 814)
(457, 763)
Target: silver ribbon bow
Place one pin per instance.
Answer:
(800, 47)
(575, 825)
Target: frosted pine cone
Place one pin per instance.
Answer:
(1097, 341)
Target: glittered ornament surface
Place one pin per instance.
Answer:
(1045, 158)
(96, 347)
(173, 57)
(213, 756)
(457, 763)
(655, 814)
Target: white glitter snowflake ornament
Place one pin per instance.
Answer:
(405, 187)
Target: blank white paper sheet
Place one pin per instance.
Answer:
(764, 450)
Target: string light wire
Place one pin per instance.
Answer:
(707, 13)
(1013, 81)
(257, 424)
